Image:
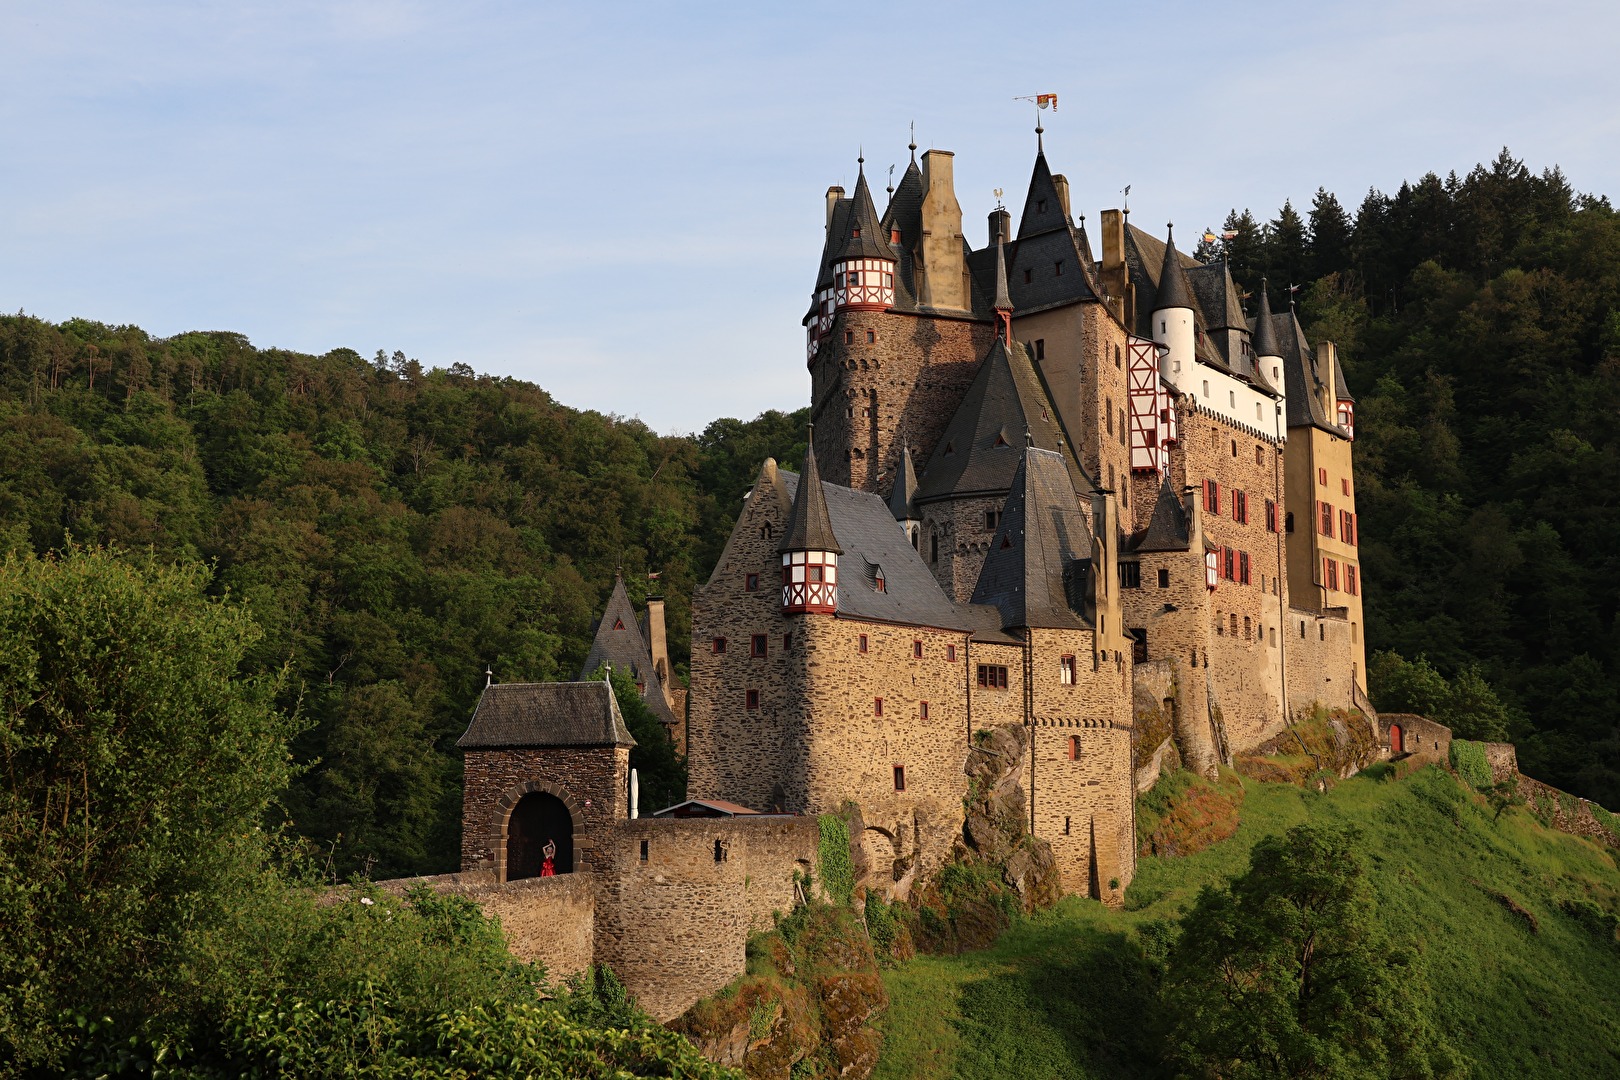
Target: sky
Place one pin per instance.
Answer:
(624, 203)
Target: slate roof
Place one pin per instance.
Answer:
(871, 538)
(808, 527)
(904, 489)
(1167, 529)
(982, 445)
(1301, 377)
(540, 715)
(872, 242)
(621, 642)
(905, 213)
(1034, 572)
(1043, 210)
(1174, 290)
(1001, 301)
(1265, 330)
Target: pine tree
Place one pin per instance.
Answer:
(1242, 246)
(1285, 259)
(1329, 236)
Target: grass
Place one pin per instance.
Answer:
(1071, 992)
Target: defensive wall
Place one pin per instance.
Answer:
(667, 904)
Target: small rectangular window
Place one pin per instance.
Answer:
(644, 851)
(1229, 557)
(1057, 268)
(1243, 567)
(1066, 671)
(757, 646)
(862, 643)
(922, 709)
(992, 520)
(752, 699)
(1271, 516)
(877, 706)
(1074, 748)
(1029, 276)
(1321, 477)
(719, 645)
(871, 336)
(1164, 578)
(1352, 584)
(950, 654)
(787, 641)
(1130, 575)
(899, 778)
(916, 650)
(1040, 348)
(751, 583)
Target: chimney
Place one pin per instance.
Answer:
(834, 193)
(1061, 182)
(1000, 225)
(1327, 370)
(657, 646)
(944, 271)
(1115, 278)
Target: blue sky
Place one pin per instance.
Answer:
(623, 202)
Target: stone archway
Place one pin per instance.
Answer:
(538, 819)
(578, 844)
(878, 853)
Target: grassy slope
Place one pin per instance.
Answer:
(1069, 993)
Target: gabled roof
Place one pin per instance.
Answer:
(538, 715)
(1167, 529)
(982, 445)
(871, 539)
(904, 489)
(808, 527)
(621, 644)
(1030, 573)
(1174, 290)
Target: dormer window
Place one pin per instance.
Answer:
(1040, 206)
(856, 232)
(1057, 268)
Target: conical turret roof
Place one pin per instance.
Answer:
(1174, 290)
(1043, 210)
(864, 237)
(809, 528)
(1167, 529)
(905, 486)
(1265, 334)
(1002, 301)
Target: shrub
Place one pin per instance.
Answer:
(836, 865)
(1468, 758)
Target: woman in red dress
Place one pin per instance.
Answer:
(549, 867)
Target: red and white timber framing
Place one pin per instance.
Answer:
(1153, 415)
(810, 582)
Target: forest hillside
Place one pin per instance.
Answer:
(394, 530)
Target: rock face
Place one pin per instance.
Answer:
(996, 828)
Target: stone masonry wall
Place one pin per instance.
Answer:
(592, 781)
(1082, 795)
(868, 397)
(1179, 624)
(674, 925)
(548, 921)
(749, 756)
(1320, 658)
(958, 527)
(853, 749)
(1245, 655)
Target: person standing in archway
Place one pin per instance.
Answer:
(549, 867)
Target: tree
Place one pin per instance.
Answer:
(139, 765)
(1286, 974)
(1284, 244)
(660, 770)
(1329, 235)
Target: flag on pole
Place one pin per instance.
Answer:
(1043, 100)
(1209, 237)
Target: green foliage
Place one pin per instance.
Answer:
(1466, 704)
(660, 770)
(139, 766)
(1285, 974)
(882, 925)
(1469, 759)
(1074, 992)
(1184, 813)
(393, 529)
(833, 860)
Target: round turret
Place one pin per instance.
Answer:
(1173, 325)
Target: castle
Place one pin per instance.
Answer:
(1043, 489)
(1092, 498)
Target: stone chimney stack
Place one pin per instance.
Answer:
(1327, 370)
(1115, 278)
(834, 193)
(1000, 226)
(943, 270)
(659, 649)
(1061, 182)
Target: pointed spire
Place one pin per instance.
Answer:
(914, 142)
(1174, 290)
(1003, 302)
(865, 239)
(809, 527)
(1265, 335)
(1040, 141)
(905, 487)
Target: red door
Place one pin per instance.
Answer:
(1395, 742)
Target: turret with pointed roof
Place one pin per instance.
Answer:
(1265, 334)
(809, 549)
(1035, 571)
(905, 488)
(1174, 291)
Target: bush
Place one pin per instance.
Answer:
(837, 866)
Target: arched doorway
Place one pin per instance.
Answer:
(1396, 740)
(536, 818)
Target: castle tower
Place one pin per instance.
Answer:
(901, 499)
(1268, 354)
(1173, 325)
(809, 549)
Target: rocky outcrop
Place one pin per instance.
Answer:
(995, 830)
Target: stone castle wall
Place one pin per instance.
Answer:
(1321, 660)
(549, 921)
(868, 397)
(957, 527)
(593, 782)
